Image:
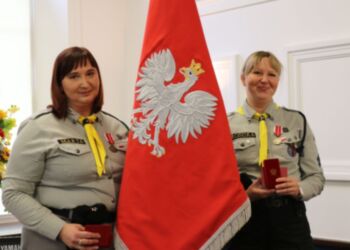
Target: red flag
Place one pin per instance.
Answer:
(180, 187)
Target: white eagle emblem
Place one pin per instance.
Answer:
(167, 106)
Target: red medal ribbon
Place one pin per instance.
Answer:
(277, 130)
(109, 138)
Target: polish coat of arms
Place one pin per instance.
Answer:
(170, 106)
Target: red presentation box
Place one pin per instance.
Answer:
(106, 232)
(270, 172)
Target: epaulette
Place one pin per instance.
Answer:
(231, 114)
(110, 115)
(292, 110)
(33, 117)
(38, 115)
(300, 149)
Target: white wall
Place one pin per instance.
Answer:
(136, 21)
(306, 35)
(100, 26)
(96, 25)
(49, 37)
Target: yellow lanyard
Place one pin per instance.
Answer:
(263, 150)
(262, 136)
(95, 142)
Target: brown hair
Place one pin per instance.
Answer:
(66, 61)
(256, 57)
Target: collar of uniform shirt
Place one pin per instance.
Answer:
(73, 116)
(270, 111)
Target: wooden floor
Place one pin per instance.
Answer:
(331, 245)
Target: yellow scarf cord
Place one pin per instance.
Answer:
(262, 136)
(95, 142)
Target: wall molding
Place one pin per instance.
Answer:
(211, 7)
(297, 55)
(230, 67)
(9, 225)
(336, 170)
(8, 219)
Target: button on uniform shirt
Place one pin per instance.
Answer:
(285, 129)
(51, 165)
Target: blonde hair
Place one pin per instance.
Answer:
(255, 58)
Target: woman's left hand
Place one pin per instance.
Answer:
(288, 186)
(75, 237)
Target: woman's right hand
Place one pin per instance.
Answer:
(257, 191)
(75, 237)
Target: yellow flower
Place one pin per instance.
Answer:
(7, 123)
(3, 114)
(13, 109)
(2, 170)
(8, 139)
(5, 154)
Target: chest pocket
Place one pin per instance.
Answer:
(74, 149)
(288, 145)
(243, 143)
(70, 162)
(292, 137)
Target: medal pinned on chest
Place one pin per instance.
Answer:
(119, 145)
(278, 131)
(111, 142)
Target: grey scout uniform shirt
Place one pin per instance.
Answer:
(52, 166)
(245, 134)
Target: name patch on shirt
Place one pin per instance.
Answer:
(71, 140)
(243, 135)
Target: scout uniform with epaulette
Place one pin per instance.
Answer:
(60, 170)
(290, 139)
